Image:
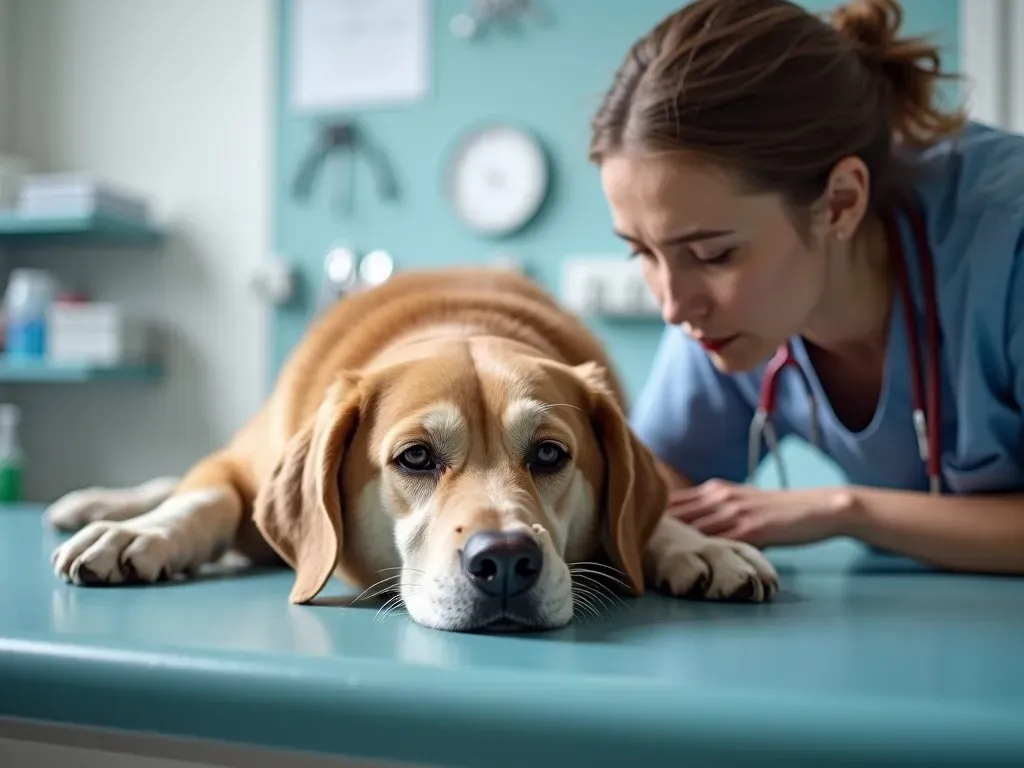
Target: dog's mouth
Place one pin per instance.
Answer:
(505, 624)
(507, 619)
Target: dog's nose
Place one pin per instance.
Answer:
(502, 563)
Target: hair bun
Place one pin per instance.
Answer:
(872, 25)
(909, 69)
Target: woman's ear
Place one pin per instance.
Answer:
(298, 509)
(846, 197)
(634, 494)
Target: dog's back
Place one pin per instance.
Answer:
(351, 332)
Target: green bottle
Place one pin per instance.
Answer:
(10, 454)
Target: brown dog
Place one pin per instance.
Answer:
(453, 430)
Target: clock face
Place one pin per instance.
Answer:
(498, 181)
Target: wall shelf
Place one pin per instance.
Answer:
(97, 228)
(43, 372)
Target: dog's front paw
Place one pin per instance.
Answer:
(106, 552)
(76, 509)
(688, 564)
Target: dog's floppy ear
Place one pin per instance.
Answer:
(635, 493)
(298, 509)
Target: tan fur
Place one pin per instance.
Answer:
(478, 364)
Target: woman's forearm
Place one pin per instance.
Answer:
(982, 534)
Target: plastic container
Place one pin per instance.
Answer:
(11, 457)
(27, 300)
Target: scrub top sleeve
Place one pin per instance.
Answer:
(692, 416)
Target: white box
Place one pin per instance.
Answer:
(95, 332)
(77, 195)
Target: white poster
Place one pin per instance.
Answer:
(359, 53)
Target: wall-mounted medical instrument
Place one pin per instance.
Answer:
(345, 271)
(344, 137)
(483, 14)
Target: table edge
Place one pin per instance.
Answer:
(273, 701)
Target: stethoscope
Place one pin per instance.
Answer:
(926, 415)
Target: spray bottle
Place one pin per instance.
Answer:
(10, 454)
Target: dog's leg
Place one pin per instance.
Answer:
(78, 508)
(193, 526)
(687, 563)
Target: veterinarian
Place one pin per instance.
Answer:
(837, 257)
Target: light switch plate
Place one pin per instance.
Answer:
(608, 286)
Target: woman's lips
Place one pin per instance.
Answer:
(716, 344)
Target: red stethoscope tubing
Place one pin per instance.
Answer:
(927, 413)
(926, 404)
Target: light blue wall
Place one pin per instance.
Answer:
(549, 79)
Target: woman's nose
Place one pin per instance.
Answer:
(672, 311)
(681, 303)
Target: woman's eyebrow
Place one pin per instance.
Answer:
(680, 239)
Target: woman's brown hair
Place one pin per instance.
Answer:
(776, 94)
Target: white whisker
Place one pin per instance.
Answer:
(590, 597)
(596, 584)
(383, 612)
(549, 406)
(395, 611)
(585, 596)
(596, 599)
(580, 600)
(575, 570)
(596, 592)
(597, 565)
(374, 586)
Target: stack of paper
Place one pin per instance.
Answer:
(56, 195)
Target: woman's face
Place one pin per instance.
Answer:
(730, 267)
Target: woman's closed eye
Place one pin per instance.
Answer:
(723, 256)
(720, 257)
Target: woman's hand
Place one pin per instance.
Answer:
(760, 517)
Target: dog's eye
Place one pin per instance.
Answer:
(417, 458)
(548, 456)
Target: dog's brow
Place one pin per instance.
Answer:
(447, 429)
(522, 419)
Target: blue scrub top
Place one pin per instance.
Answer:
(971, 195)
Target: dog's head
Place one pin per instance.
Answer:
(481, 476)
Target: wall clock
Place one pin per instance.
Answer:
(498, 179)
